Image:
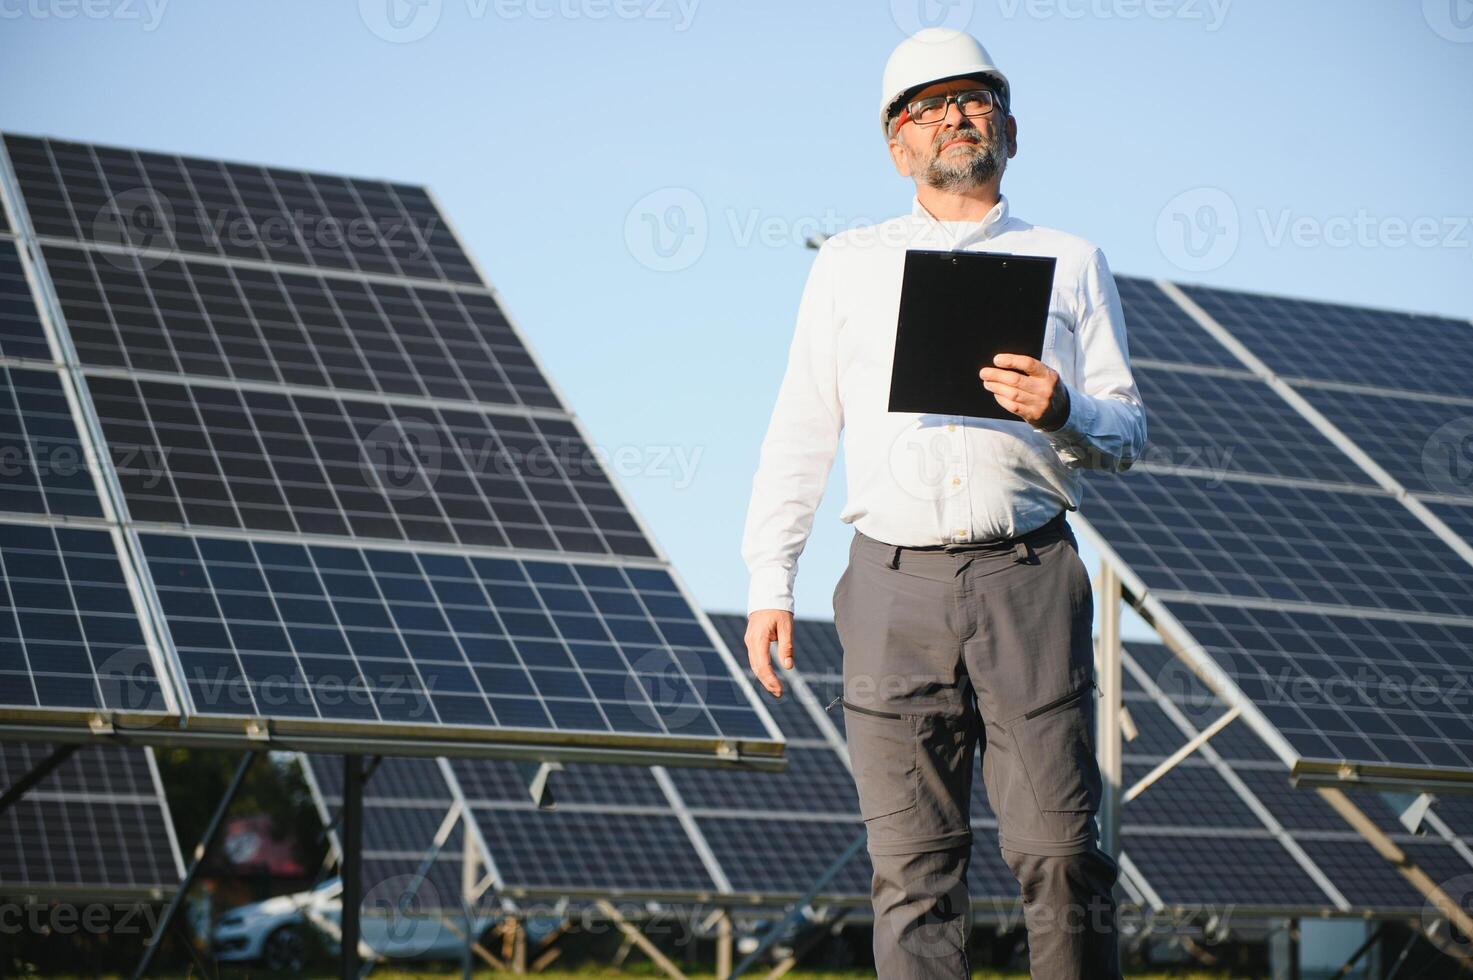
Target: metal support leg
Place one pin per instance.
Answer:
(796, 911)
(1108, 729)
(212, 830)
(723, 945)
(639, 939)
(351, 833)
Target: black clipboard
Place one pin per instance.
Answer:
(958, 310)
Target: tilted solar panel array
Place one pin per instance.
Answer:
(1224, 829)
(680, 833)
(71, 638)
(1221, 831)
(354, 502)
(1300, 572)
(97, 825)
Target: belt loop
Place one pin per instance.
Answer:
(894, 561)
(1022, 552)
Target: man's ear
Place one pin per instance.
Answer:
(898, 156)
(1011, 128)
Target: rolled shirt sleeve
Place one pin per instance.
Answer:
(799, 448)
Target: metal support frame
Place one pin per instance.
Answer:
(212, 830)
(1107, 733)
(795, 911)
(350, 831)
(833, 926)
(724, 944)
(1187, 748)
(631, 932)
(1391, 851)
(38, 772)
(1361, 950)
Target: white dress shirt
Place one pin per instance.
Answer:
(932, 479)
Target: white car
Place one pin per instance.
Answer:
(279, 931)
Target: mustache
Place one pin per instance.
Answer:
(971, 136)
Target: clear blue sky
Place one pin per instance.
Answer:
(1329, 142)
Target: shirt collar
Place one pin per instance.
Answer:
(961, 233)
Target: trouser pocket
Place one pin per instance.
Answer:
(884, 751)
(1056, 745)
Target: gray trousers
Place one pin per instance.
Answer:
(981, 648)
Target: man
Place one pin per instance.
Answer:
(965, 611)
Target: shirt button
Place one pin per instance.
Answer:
(951, 428)
(956, 481)
(961, 532)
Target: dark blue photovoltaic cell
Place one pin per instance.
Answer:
(97, 193)
(1159, 330)
(1221, 424)
(501, 781)
(1190, 794)
(1377, 690)
(644, 852)
(785, 857)
(1368, 880)
(353, 634)
(814, 778)
(21, 334)
(1200, 868)
(43, 468)
(1253, 540)
(69, 632)
(210, 457)
(1424, 445)
(291, 327)
(1458, 519)
(96, 823)
(1305, 339)
(404, 804)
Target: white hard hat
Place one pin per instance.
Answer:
(932, 55)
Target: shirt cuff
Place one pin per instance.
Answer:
(1073, 435)
(771, 588)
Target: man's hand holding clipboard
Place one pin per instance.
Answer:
(1028, 388)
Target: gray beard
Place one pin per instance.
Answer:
(975, 170)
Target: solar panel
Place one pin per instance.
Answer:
(1382, 689)
(1418, 441)
(1280, 557)
(291, 630)
(1459, 519)
(614, 849)
(44, 463)
(70, 636)
(209, 456)
(96, 826)
(21, 333)
(1288, 543)
(94, 193)
(1159, 330)
(1223, 424)
(278, 326)
(1331, 342)
(1201, 814)
(404, 803)
(357, 507)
